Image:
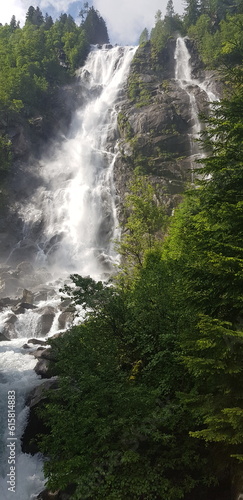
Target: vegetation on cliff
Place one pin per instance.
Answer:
(40, 56)
(215, 25)
(150, 400)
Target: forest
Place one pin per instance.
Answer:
(150, 402)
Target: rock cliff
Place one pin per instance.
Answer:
(154, 134)
(155, 120)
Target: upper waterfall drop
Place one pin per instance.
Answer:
(182, 57)
(184, 77)
(75, 203)
(193, 88)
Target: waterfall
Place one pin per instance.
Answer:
(190, 85)
(71, 222)
(76, 200)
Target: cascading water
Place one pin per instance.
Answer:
(183, 75)
(76, 203)
(75, 208)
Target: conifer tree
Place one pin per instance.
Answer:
(191, 12)
(95, 27)
(34, 16)
(170, 11)
(144, 37)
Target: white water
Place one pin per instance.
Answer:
(183, 74)
(76, 201)
(76, 206)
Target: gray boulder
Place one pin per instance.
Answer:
(28, 296)
(45, 321)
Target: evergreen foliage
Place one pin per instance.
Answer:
(144, 37)
(95, 27)
(218, 32)
(171, 25)
(150, 398)
(35, 60)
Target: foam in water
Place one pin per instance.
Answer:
(17, 374)
(76, 208)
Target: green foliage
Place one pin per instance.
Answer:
(144, 37)
(171, 25)
(42, 55)
(170, 12)
(34, 16)
(191, 12)
(145, 222)
(206, 245)
(5, 154)
(95, 27)
(119, 432)
(150, 398)
(219, 42)
(124, 125)
(138, 90)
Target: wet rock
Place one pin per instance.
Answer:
(37, 341)
(27, 305)
(38, 353)
(35, 424)
(48, 289)
(65, 319)
(49, 495)
(40, 296)
(57, 335)
(44, 353)
(65, 303)
(43, 368)
(21, 307)
(45, 321)
(28, 297)
(8, 301)
(18, 309)
(4, 302)
(3, 337)
(57, 495)
(11, 320)
(155, 126)
(8, 332)
(26, 346)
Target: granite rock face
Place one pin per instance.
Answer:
(155, 120)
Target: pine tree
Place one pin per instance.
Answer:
(95, 28)
(170, 11)
(34, 16)
(48, 22)
(207, 239)
(192, 12)
(144, 37)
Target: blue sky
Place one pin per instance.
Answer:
(125, 19)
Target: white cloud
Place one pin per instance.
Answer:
(20, 7)
(59, 5)
(10, 8)
(125, 19)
